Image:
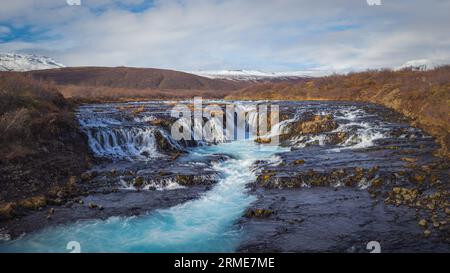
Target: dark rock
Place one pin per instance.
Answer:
(185, 180)
(88, 176)
(336, 138)
(138, 182)
(163, 145)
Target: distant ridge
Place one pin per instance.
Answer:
(136, 78)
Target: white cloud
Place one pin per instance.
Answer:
(252, 34)
(4, 30)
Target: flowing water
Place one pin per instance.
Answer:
(208, 223)
(202, 225)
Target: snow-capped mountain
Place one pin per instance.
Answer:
(255, 75)
(26, 62)
(422, 64)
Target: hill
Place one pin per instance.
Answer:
(117, 82)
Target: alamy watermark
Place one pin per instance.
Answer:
(212, 124)
(74, 247)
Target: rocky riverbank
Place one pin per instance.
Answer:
(316, 199)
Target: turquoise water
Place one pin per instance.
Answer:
(202, 225)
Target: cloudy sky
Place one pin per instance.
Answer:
(269, 35)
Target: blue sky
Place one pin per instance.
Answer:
(275, 35)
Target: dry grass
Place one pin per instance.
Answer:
(104, 93)
(40, 143)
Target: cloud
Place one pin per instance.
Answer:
(4, 30)
(216, 34)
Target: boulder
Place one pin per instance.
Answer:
(336, 138)
(34, 203)
(312, 124)
(6, 211)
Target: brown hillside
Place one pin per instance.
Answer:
(40, 142)
(133, 78)
(423, 96)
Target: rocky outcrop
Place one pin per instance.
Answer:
(309, 124)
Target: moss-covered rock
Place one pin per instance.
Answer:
(185, 180)
(6, 211)
(299, 162)
(310, 124)
(258, 213)
(34, 203)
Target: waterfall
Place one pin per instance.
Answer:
(123, 142)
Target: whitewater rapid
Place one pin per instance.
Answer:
(206, 224)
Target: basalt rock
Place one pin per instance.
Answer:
(162, 144)
(185, 180)
(311, 124)
(34, 203)
(194, 180)
(336, 138)
(6, 211)
(311, 178)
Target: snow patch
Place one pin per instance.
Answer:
(255, 75)
(26, 62)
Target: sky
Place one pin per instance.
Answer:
(267, 35)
